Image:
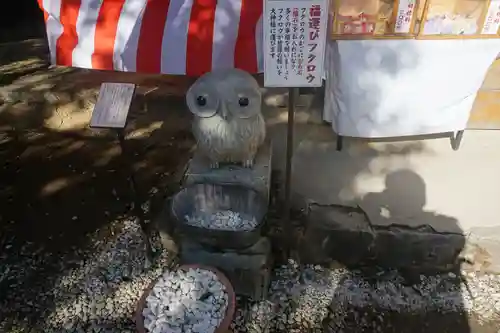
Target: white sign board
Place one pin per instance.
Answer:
(406, 10)
(295, 32)
(113, 105)
(492, 21)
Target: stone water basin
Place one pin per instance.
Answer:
(221, 216)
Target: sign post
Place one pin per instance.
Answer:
(295, 34)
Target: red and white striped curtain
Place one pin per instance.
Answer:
(183, 37)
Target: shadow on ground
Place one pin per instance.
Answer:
(403, 299)
(61, 182)
(411, 250)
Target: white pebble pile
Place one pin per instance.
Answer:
(222, 220)
(186, 301)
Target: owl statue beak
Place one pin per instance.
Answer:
(224, 111)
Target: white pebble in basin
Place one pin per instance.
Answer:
(222, 220)
(189, 300)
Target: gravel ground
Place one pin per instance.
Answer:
(94, 295)
(100, 295)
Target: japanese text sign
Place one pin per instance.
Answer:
(294, 42)
(404, 16)
(492, 21)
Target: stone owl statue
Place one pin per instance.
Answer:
(228, 123)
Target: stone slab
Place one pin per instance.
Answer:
(417, 249)
(257, 178)
(345, 234)
(336, 232)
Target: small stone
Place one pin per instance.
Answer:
(100, 305)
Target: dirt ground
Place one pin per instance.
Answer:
(61, 182)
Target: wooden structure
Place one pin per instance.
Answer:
(372, 19)
(421, 19)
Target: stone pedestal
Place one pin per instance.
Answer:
(257, 178)
(248, 270)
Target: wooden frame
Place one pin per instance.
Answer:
(490, 4)
(374, 20)
(487, 11)
(411, 32)
(480, 24)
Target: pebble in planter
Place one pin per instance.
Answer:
(189, 300)
(222, 220)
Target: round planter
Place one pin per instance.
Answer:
(231, 300)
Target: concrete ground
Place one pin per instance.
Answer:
(405, 181)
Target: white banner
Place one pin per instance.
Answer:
(295, 32)
(387, 88)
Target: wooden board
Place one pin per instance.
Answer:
(485, 113)
(422, 19)
(373, 19)
(113, 105)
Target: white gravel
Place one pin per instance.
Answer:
(100, 294)
(222, 220)
(193, 301)
(302, 298)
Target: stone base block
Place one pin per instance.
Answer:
(248, 270)
(345, 234)
(336, 232)
(257, 178)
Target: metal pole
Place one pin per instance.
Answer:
(288, 166)
(456, 140)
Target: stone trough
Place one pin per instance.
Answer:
(221, 216)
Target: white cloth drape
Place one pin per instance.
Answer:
(385, 88)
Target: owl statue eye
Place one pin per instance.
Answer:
(243, 101)
(201, 100)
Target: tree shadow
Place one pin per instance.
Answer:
(63, 189)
